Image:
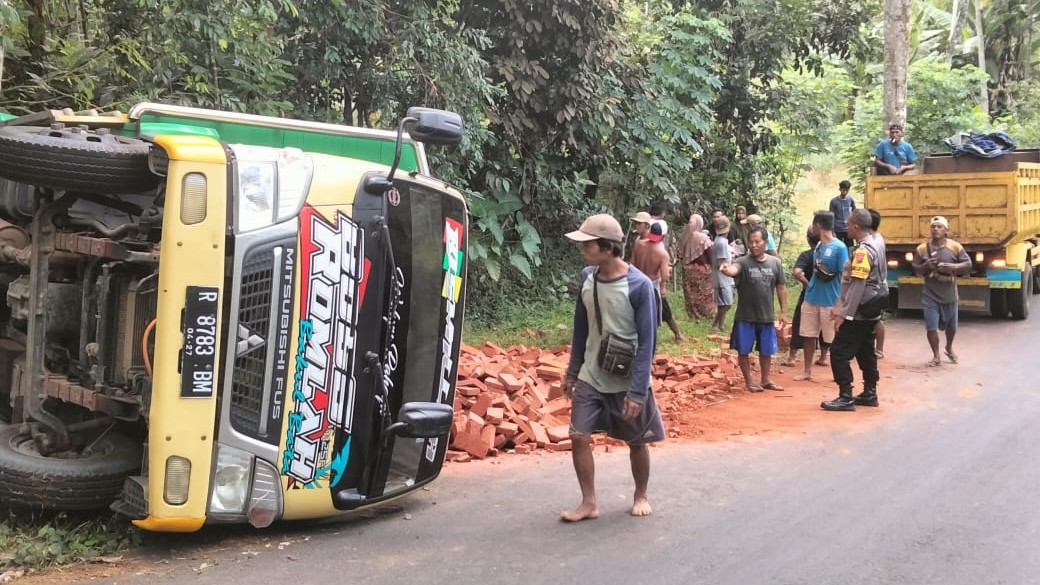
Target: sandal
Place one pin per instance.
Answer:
(879, 354)
(753, 388)
(934, 362)
(826, 363)
(773, 386)
(786, 362)
(951, 356)
(803, 377)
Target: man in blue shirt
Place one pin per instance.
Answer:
(829, 260)
(842, 206)
(894, 156)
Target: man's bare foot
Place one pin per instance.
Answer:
(641, 507)
(583, 512)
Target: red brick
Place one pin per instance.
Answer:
(494, 415)
(472, 444)
(550, 372)
(508, 429)
(523, 449)
(555, 390)
(480, 407)
(511, 382)
(561, 446)
(558, 433)
(540, 436)
(556, 406)
(494, 384)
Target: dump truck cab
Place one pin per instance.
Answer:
(218, 317)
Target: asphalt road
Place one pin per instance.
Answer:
(941, 491)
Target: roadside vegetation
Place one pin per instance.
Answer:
(31, 541)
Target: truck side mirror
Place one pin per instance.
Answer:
(423, 420)
(434, 126)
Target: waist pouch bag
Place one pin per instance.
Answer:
(820, 269)
(615, 354)
(873, 308)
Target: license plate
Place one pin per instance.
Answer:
(198, 357)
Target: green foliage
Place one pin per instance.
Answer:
(62, 539)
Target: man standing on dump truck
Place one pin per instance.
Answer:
(940, 260)
(894, 156)
(608, 377)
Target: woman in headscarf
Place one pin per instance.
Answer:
(695, 254)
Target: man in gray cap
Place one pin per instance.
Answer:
(940, 261)
(608, 377)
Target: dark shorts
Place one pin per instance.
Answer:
(593, 411)
(747, 337)
(666, 310)
(939, 316)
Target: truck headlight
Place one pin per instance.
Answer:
(272, 184)
(231, 481)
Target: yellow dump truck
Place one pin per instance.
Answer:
(993, 206)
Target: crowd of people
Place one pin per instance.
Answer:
(622, 301)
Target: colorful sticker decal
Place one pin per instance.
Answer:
(331, 268)
(450, 291)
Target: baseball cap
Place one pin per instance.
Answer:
(598, 226)
(722, 225)
(941, 221)
(656, 233)
(753, 218)
(663, 224)
(642, 217)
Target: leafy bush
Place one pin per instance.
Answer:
(36, 542)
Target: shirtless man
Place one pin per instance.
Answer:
(652, 259)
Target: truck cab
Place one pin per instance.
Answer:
(218, 317)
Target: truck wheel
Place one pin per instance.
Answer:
(75, 160)
(1018, 298)
(1036, 280)
(998, 303)
(28, 479)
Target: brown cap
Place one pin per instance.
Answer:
(722, 225)
(598, 226)
(754, 218)
(642, 217)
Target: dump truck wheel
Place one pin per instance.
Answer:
(1036, 280)
(998, 303)
(31, 480)
(75, 160)
(1018, 298)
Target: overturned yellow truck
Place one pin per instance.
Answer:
(993, 206)
(216, 317)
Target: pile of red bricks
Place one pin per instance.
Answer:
(510, 399)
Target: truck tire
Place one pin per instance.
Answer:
(30, 480)
(75, 160)
(1018, 298)
(998, 303)
(1036, 280)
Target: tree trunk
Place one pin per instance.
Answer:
(897, 58)
(983, 90)
(956, 25)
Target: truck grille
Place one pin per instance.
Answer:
(254, 315)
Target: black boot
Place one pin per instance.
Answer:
(844, 401)
(868, 397)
